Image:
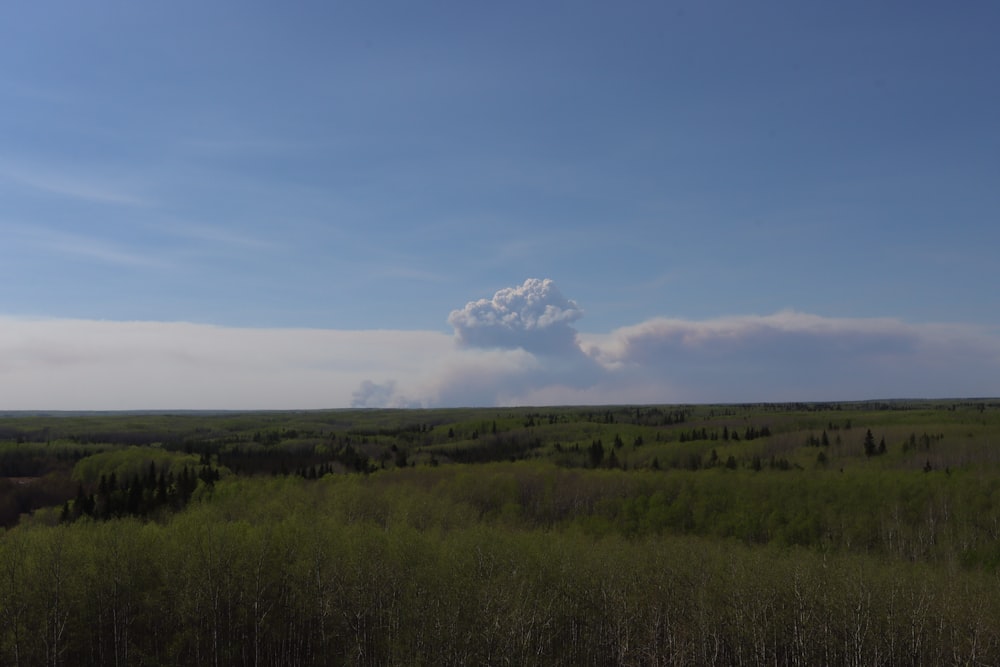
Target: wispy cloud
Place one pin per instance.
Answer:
(88, 247)
(71, 183)
(20, 90)
(400, 271)
(250, 144)
(212, 234)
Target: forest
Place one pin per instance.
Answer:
(856, 533)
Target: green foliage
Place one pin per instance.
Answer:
(425, 566)
(738, 534)
(129, 463)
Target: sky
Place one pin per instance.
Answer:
(250, 205)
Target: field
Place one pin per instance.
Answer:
(766, 534)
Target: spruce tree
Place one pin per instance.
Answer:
(869, 444)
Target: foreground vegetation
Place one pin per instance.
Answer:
(854, 534)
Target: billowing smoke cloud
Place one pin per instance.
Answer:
(535, 317)
(797, 356)
(372, 395)
(387, 394)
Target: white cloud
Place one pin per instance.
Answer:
(534, 316)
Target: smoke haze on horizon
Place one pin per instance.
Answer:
(523, 350)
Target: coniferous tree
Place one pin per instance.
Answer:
(596, 452)
(161, 489)
(869, 444)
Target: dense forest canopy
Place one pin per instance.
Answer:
(848, 533)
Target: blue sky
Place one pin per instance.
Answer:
(824, 173)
